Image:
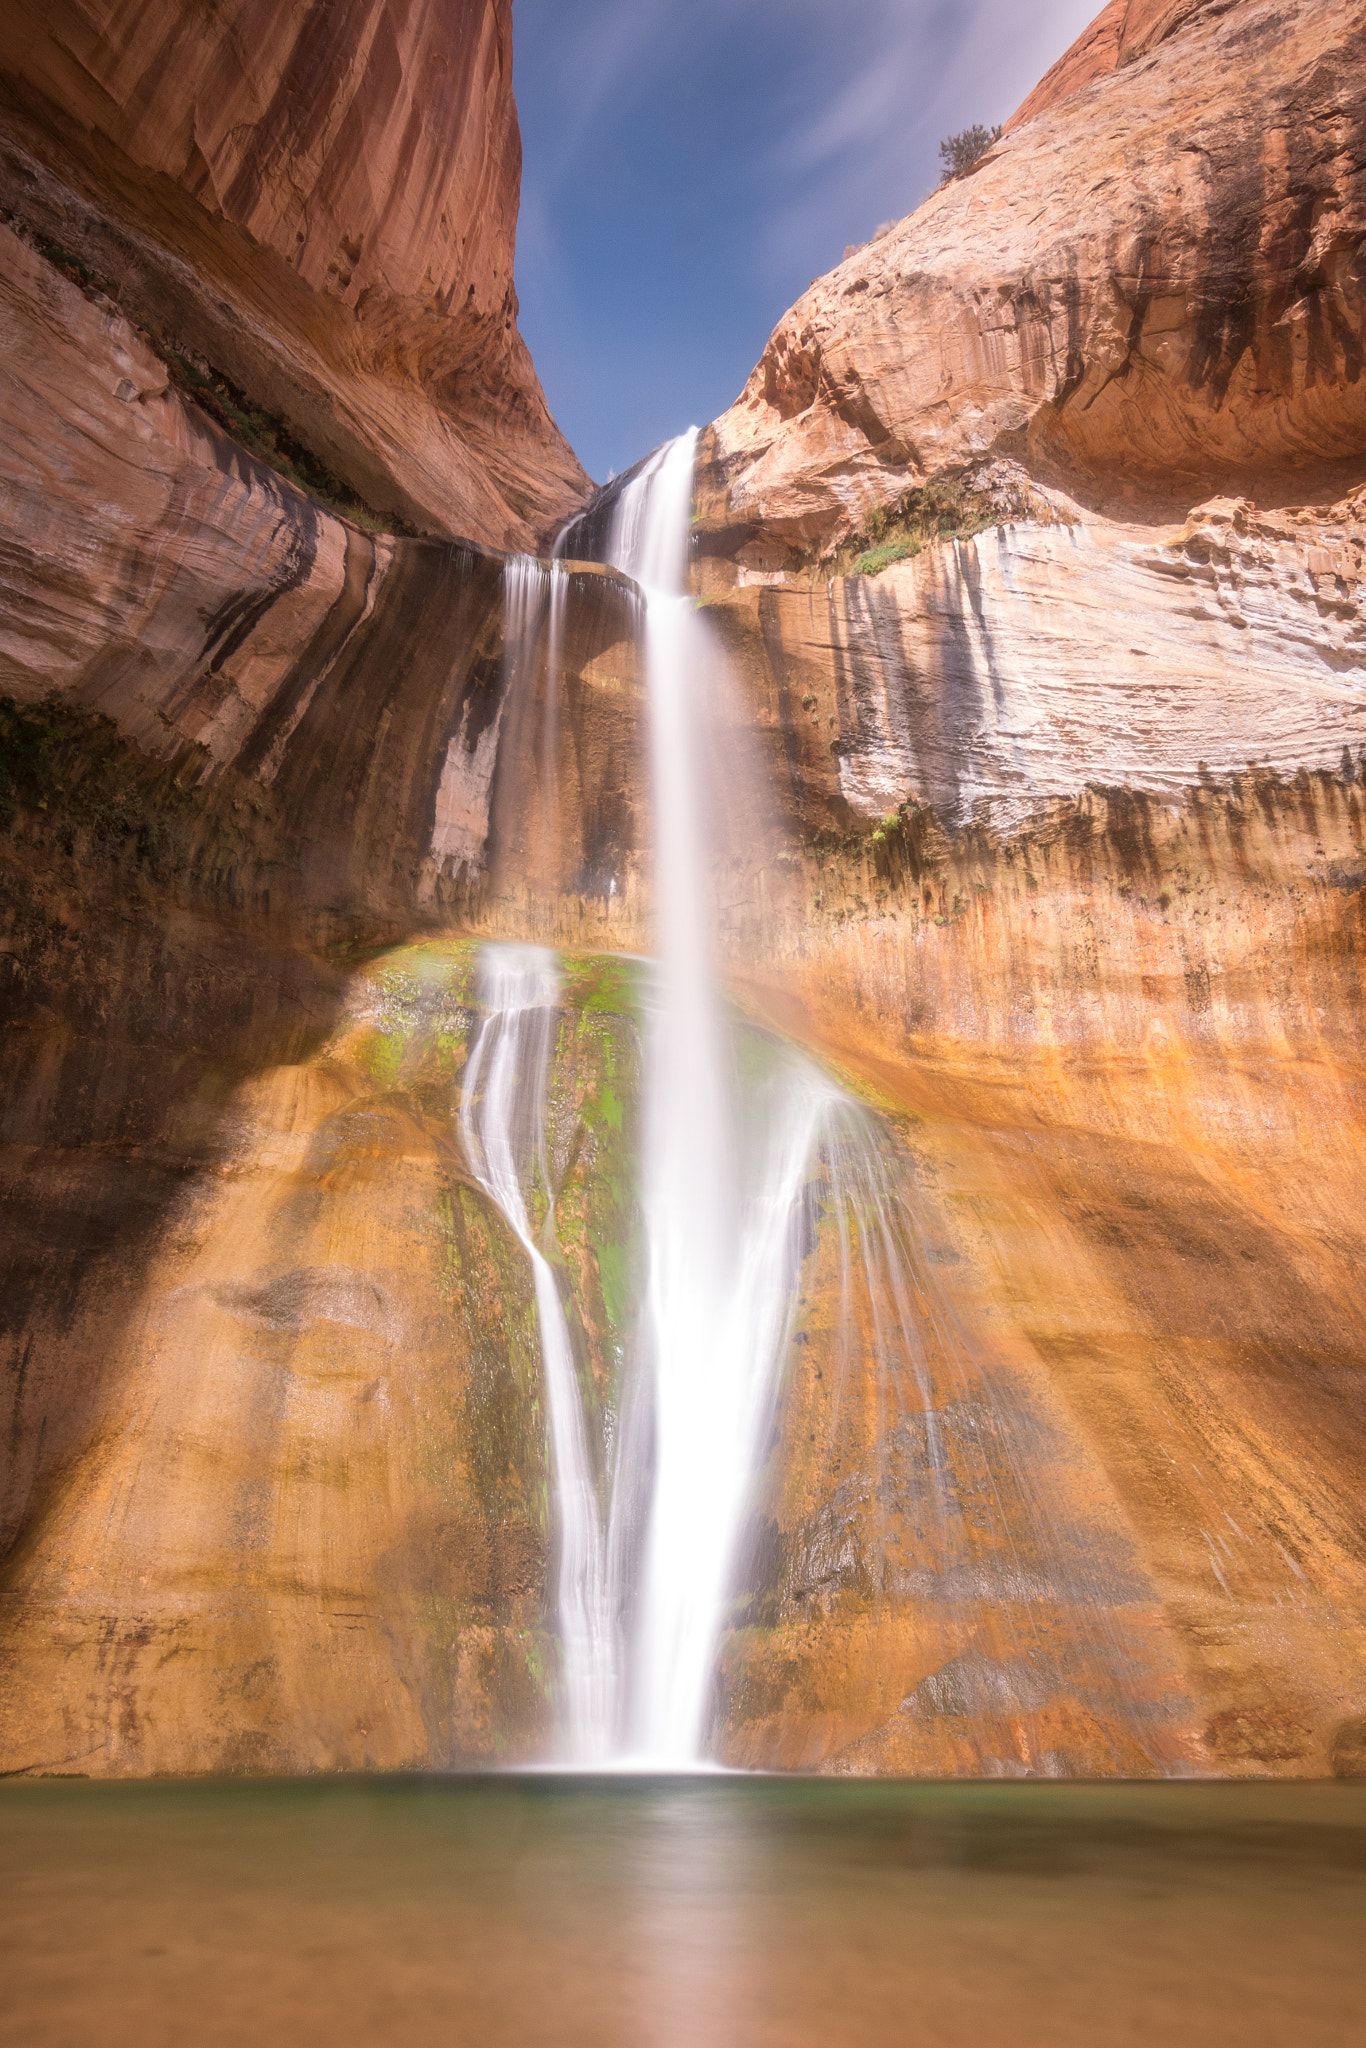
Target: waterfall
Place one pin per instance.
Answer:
(503, 1124)
(643, 1589)
(748, 1152)
(721, 1190)
(535, 600)
(526, 582)
(548, 764)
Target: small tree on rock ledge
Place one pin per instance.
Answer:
(958, 153)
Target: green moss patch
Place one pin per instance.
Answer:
(954, 505)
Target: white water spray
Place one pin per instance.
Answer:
(526, 583)
(535, 599)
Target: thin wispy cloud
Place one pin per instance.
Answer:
(689, 169)
(603, 47)
(870, 151)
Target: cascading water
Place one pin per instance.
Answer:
(535, 597)
(503, 1124)
(557, 599)
(526, 582)
(720, 1203)
(726, 1166)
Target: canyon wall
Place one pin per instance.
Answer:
(1122, 1048)
(1034, 550)
(317, 207)
(1120, 34)
(1152, 289)
(263, 390)
(1035, 544)
(307, 1522)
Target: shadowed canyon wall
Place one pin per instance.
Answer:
(308, 1526)
(246, 730)
(1034, 550)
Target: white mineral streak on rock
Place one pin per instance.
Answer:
(990, 675)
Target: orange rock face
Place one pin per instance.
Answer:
(1070, 888)
(321, 203)
(1067, 897)
(1120, 34)
(300, 1519)
(1154, 285)
(1124, 1047)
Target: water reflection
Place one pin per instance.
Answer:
(683, 1914)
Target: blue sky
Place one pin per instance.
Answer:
(691, 165)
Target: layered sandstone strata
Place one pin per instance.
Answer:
(1120, 34)
(1035, 542)
(1070, 888)
(1125, 1046)
(986, 677)
(1154, 283)
(319, 204)
(240, 732)
(351, 684)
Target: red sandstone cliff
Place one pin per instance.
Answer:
(1120, 34)
(1154, 287)
(1036, 539)
(1093, 421)
(320, 203)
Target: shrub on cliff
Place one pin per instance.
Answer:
(958, 153)
(873, 561)
(954, 505)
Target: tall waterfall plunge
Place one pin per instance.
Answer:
(721, 1202)
(730, 1151)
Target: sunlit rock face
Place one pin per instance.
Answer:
(320, 204)
(1120, 34)
(1154, 280)
(1127, 1040)
(305, 1525)
(1065, 882)
(1070, 759)
(309, 1523)
(985, 677)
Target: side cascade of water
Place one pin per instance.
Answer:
(526, 583)
(535, 601)
(503, 1125)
